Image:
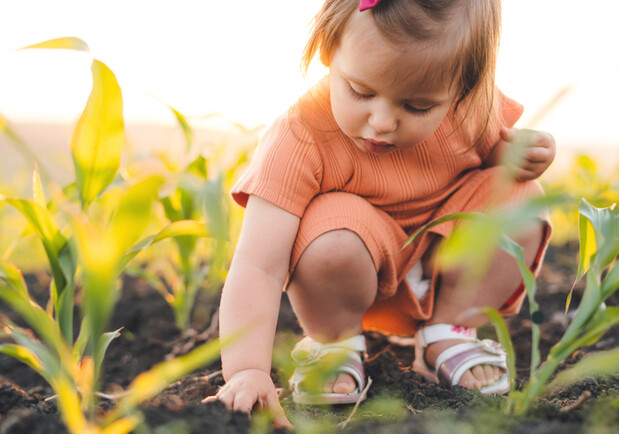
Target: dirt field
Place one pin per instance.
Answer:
(398, 401)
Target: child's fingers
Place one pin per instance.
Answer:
(276, 412)
(523, 174)
(543, 139)
(244, 401)
(209, 399)
(538, 155)
(507, 134)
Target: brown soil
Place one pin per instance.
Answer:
(398, 401)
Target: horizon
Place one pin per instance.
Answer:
(194, 55)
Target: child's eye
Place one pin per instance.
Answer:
(417, 111)
(358, 95)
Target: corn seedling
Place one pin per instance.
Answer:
(471, 244)
(91, 243)
(190, 194)
(584, 179)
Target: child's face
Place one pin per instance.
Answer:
(380, 95)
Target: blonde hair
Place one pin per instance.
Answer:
(469, 55)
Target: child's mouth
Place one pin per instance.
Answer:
(375, 147)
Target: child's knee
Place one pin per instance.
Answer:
(337, 251)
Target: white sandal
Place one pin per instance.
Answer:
(309, 356)
(452, 363)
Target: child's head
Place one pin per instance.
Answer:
(404, 63)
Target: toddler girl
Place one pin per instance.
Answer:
(406, 128)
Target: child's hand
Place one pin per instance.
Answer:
(249, 388)
(529, 152)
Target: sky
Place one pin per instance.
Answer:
(242, 59)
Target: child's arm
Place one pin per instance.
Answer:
(528, 163)
(250, 306)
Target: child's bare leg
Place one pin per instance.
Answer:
(333, 285)
(455, 298)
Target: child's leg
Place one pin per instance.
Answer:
(333, 284)
(455, 298)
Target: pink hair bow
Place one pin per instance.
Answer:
(367, 4)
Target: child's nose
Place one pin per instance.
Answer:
(383, 120)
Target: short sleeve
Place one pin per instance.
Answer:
(508, 113)
(286, 169)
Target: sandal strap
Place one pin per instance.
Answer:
(441, 332)
(308, 353)
(452, 363)
(307, 350)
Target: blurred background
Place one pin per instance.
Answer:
(240, 60)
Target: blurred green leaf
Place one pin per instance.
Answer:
(185, 126)
(99, 136)
(592, 365)
(516, 251)
(178, 228)
(610, 284)
(68, 43)
(505, 340)
(38, 195)
(152, 382)
(24, 355)
(134, 212)
(48, 231)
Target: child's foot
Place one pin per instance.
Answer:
(452, 355)
(477, 377)
(344, 383)
(311, 358)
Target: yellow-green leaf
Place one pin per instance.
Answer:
(124, 425)
(184, 125)
(595, 364)
(99, 136)
(180, 228)
(69, 403)
(67, 43)
(22, 354)
(588, 245)
(44, 224)
(134, 212)
(505, 340)
(38, 195)
(148, 384)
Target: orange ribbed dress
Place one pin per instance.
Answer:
(308, 167)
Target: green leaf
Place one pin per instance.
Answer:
(51, 359)
(516, 251)
(505, 340)
(185, 126)
(589, 304)
(24, 355)
(99, 136)
(592, 365)
(45, 226)
(104, 342)
(38, 195)
(605, 222)
(611, 282)
(588, 245)
(134, 212)
(150, 383)
(180, 228)
(425, 228)
(198, 167)
(68, 43)
(58, 251)
(14, 293)
(217, 214)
